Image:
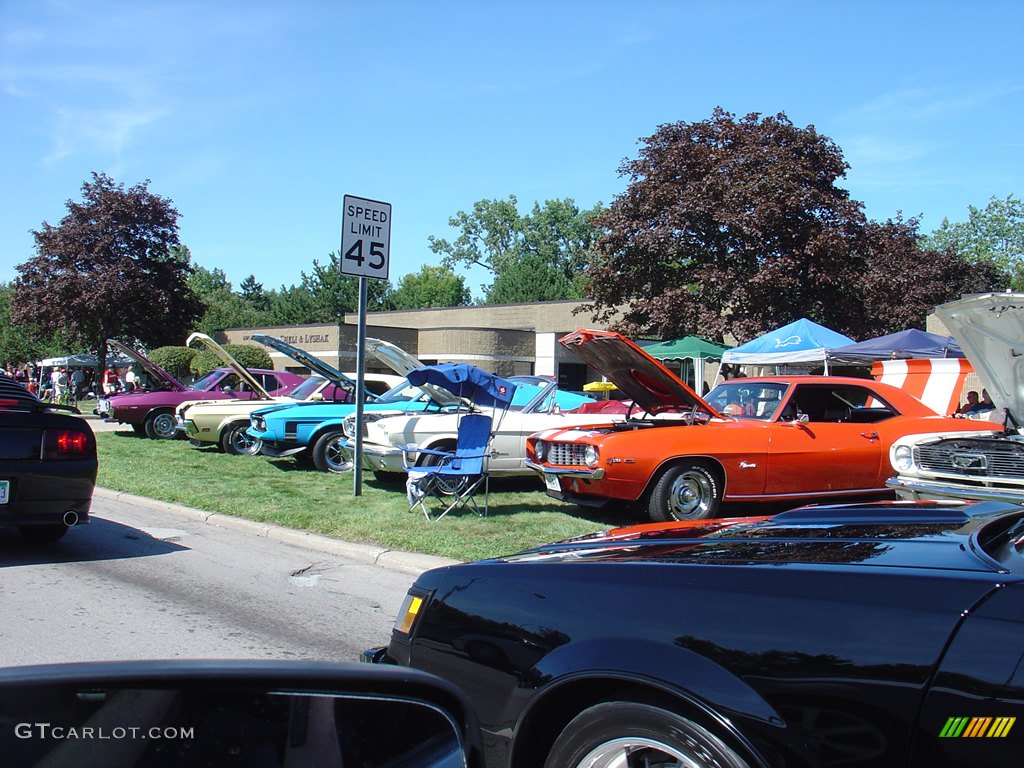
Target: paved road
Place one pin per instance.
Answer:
(142, 582)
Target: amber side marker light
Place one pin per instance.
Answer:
(408, 614)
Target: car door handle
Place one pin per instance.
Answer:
(870, 435)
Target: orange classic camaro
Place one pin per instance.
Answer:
(678, 456)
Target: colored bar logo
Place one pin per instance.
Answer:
(977, 727)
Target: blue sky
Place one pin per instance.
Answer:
(255, 118)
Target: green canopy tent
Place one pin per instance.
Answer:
(689, 349)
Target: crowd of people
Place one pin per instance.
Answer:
(57, 384)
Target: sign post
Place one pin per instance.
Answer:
(365, 253)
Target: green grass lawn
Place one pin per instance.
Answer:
(279, 491)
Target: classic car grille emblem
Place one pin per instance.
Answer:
(975, 461)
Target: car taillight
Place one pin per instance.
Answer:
(66, 444)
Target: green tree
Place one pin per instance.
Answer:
(19, 342)
(431, 287)
(333, 294)
(537, 257)
(993, 234)
(108, 270)
(223, 308)
(249, 355)
(254, 295)
(175, 360)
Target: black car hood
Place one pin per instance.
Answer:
(927, 535)
(644, 380)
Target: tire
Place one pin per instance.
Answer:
(626, 733)
(43, 534)
(161, 425)
(236, 441)
(327, 455)
(685, 492)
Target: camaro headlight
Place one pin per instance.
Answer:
(903, 458)
(591, 456)
(540, 450)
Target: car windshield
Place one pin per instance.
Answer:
(308, 387)
(747, 399)
(401, 393)
(206, 382)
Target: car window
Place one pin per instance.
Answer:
(207, 382)
(837, 404)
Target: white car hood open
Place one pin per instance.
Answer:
(237, 367)
(990, 330)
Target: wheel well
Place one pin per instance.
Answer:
(547, 718)
(320, 432)
(444, 444)
(711, 463)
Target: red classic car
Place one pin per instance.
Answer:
(679, 456)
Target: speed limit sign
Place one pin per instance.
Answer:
(365, 237)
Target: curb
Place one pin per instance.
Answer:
(405, 562)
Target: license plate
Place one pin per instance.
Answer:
(551, 481)
(5, 491)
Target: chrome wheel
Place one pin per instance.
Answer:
(627, 752)
(329, 456)
(685, 492)
(625, 734)
(238, 442)
(161, 426)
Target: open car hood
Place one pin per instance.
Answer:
(237, 367)
(990, 330)
(649, 384)
(302, 357)
(155, 371)
(401, 362)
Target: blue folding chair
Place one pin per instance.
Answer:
(454, 477)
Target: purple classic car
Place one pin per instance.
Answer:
(150, 411)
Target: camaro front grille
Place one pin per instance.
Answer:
(1002, 459)
(565, 454)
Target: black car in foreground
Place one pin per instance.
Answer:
(47, 465)
(886, 634)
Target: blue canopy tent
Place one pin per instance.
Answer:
(802, 341)
(907, 344)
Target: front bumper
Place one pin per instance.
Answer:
(934, 490)
(376, 458)
(277, 451)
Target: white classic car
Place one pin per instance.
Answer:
(990, 330)
(539, 405)
(223, 423)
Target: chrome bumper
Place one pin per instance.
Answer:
(916, 490)
(583, 474)
(376, 458)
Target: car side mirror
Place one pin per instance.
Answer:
(235, 713)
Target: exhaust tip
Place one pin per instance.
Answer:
(70, 518)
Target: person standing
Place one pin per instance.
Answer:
(110, 381)
(77, 380)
